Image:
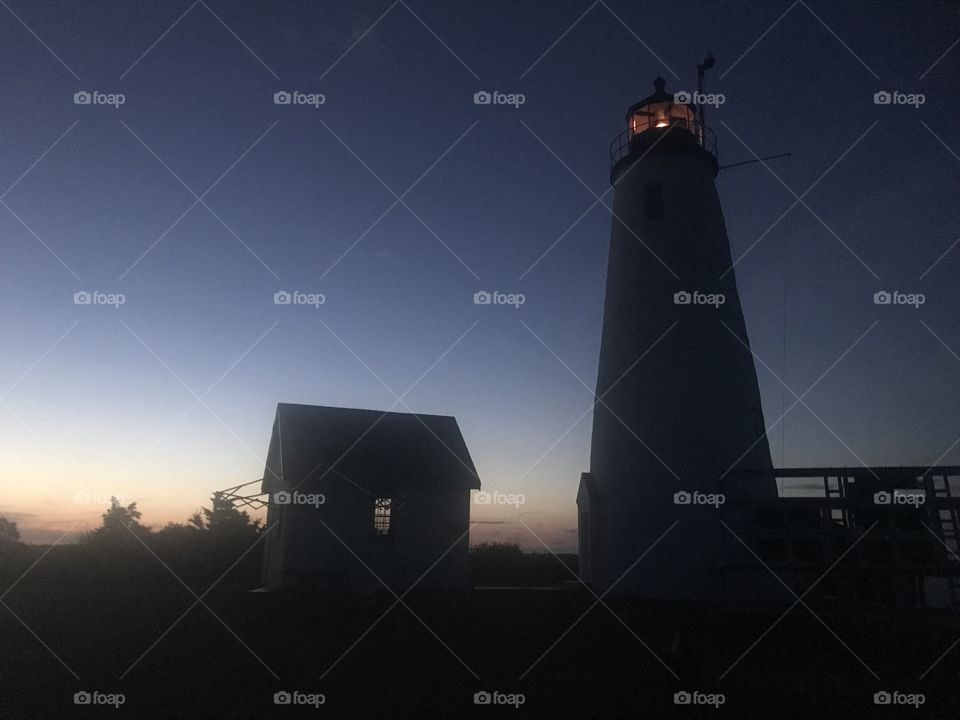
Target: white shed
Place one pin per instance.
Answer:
(357, 495)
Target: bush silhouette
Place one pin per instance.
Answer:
(9, 535)
(219, 543)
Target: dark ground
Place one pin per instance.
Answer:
(100, 621)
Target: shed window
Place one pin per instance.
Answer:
(382, 516)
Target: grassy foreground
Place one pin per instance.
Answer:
(221, 662)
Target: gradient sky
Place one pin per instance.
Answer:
(104, 401)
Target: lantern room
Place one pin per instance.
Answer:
(661, 110)
(663, 120)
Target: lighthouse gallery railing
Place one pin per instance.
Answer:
(623, 145)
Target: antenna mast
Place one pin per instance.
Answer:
(708, 62)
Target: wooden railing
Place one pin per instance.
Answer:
(882, 535)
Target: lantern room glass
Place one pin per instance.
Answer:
(662, 115)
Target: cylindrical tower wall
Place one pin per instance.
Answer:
(689, 410)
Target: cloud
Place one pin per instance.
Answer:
(16, 516)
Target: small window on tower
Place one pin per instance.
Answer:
(653, 197)
(382, 516)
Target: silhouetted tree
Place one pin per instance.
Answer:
(224, 519)
(8, 532)
(229, 534)
(119, 521)
(200, 549)
(177, 532)
(210, 542)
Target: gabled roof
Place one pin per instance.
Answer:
(378, 451)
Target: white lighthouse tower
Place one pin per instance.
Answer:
(677, 401)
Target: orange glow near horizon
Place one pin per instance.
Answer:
(65, 509)
(68, 523)
(56, 481)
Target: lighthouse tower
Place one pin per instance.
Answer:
(677, 402)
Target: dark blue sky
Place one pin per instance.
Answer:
(104, 409)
